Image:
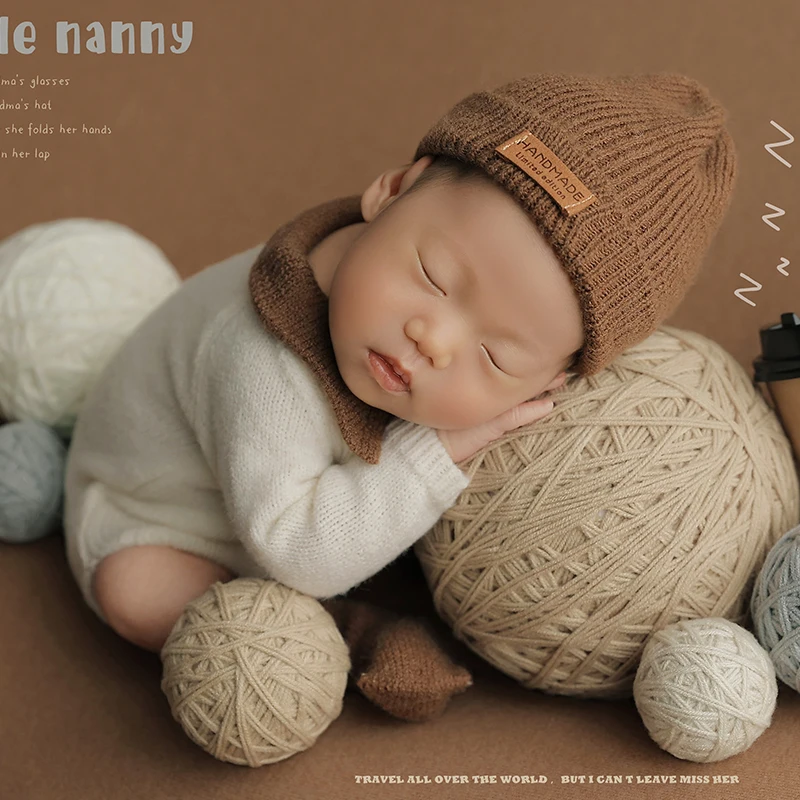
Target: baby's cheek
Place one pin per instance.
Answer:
(465, 406)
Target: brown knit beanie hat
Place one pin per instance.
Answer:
(628, 177)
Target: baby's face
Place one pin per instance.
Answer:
(456, 288)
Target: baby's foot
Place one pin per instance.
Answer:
(396, 661)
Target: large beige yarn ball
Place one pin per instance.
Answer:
(650, 494)
(705, 689)
(254, 671)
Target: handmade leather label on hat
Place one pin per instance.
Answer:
(548, 170)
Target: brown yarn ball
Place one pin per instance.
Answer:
(254, 671)
(650, 494)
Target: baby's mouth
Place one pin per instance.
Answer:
(389, 373)
(398, 368)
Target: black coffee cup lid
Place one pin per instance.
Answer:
(780, 349)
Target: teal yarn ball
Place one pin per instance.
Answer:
(32, 462)
(775, 607)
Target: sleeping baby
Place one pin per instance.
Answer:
(300, 411)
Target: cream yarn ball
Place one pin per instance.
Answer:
(705, 689)
(650, 494)
(71, 291)
(254, 671)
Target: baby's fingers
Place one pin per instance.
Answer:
(528, 412)
(540, 407)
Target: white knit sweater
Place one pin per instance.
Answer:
(208, 426)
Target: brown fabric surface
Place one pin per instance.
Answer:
(83, 718)
(277, 106)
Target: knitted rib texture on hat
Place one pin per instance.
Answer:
(654, 150)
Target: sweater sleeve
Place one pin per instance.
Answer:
(314, 520)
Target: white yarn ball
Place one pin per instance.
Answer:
(705, 689)
(71, 292)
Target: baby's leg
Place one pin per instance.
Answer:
(142, 590)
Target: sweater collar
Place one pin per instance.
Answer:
(293, 308)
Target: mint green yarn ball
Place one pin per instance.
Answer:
(775, 607)
(32, 462)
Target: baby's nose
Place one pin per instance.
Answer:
(440, 360)
(432, 341)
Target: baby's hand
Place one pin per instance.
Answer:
(464, 443)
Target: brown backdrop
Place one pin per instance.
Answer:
(274, 107)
